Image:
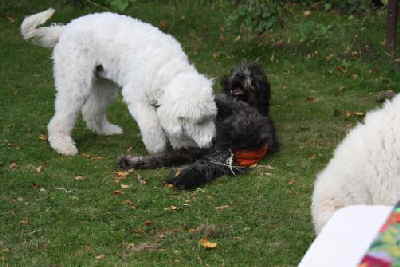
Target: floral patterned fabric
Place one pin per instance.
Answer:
(385, 249)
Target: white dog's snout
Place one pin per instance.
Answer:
(205, 140)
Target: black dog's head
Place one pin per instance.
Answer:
(247, 82)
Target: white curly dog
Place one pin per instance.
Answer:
(365, 168)
(96, 54)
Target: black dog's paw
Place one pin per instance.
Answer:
(182, 180)
(123, 163)
(129, 162)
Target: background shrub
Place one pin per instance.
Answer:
(258, 16)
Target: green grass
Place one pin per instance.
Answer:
(51, 218)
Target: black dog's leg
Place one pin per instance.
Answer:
(163, 159)
(205, 170)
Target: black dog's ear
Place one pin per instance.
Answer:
(268, 135)
(264, 96)
(225, 84)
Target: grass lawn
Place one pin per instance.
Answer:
(325, 69)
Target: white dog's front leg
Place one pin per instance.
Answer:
(152, 134)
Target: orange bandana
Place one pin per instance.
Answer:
(247, 158)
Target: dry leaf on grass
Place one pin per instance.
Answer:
(94, 157)
(222, 207)
(142, 247)
(118, 192)
(129, 203)
(121, 173)
(341, 69)
(39, 169)
(125, 186)
(207, 244)
(11, 19)
(171, 208)
(148, 223)
(178, 171)
(350, 114)
(13, 165)
(311, 99)
(169, 185)
(43, 137)
(24, 221)
(163, 24)
(79, 178)
(100, 257)
(265, 166)
(140, 179)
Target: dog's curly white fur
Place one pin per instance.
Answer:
(365, 168)
(95, 54)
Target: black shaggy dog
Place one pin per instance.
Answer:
(244, 134)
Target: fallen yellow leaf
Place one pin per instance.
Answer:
(39, 169)
(222, 207)
(125, 186)
(24, 221)
(100, 257)
(43, 137)
(122, 173)
(169, 185)
(173, 208)
(207, 244)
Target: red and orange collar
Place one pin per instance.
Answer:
(247, 158)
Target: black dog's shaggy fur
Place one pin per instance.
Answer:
(242, 122)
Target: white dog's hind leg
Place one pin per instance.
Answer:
(94, 110)
(322, 210)
(73, 88)
(152, 134)
(62, 123)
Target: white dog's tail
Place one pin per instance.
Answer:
(42, 36)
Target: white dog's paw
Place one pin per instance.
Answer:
(154, 146)
(111, 129)
(63, 145)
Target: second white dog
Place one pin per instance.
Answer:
(95, 54)
(365, 168)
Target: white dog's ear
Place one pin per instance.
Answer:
(197, 110)
(169, 121)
